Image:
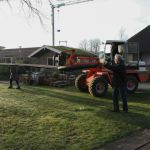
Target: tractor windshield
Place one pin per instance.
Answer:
(110, 50)
(128, 50)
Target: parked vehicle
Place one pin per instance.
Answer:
(96, 78)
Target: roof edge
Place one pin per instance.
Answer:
(139, 32)
(43, 47)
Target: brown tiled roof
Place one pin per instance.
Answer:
(143, 38)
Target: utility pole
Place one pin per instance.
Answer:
(53, 6)
(53, 25)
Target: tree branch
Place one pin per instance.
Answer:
(32, 5)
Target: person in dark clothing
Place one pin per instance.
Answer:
(114, 50)
(14, 76)
(62, 59)
(118, 82)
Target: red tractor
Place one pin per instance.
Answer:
(96, 78)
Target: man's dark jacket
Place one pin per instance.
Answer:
(119, 74)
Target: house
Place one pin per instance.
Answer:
(143, 40)
(49, 55)
(16, 55)
(45, 55)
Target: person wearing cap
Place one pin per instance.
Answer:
(118, 82)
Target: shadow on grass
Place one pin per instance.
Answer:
(142, 97)
(132, 121)
(103, 104)
(71, 96)
(137, 114)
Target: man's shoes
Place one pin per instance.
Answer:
(10, 87)
(117, 111)
(125, 111)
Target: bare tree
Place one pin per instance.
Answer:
(83, 45)
(94, 45)
(122, 34)
(32, 5)
(91, 43)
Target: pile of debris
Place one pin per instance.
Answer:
(64, 80)
(57, 80)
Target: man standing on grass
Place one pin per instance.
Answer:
(14, 76)
(118, 82)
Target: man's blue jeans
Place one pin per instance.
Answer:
(122, 92)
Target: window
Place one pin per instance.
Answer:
(50, 61)
(6, 60)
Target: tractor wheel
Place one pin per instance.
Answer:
(98, 87)
(80, 83)
(132, 84)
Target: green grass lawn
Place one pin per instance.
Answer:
(48, 118)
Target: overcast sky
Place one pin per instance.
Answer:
(96, 19)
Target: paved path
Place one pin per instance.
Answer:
(136, 141)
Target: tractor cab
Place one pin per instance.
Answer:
(135, 69)
(114, 47)
(111, 48)
(128, 50)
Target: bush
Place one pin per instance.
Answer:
(4, 72)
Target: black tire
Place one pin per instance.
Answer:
(80, 83)
(98, 87)
(132, 84)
